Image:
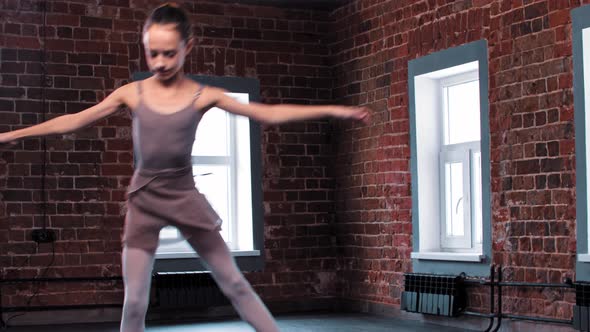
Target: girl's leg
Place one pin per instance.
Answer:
(212, 248)
(137, 276)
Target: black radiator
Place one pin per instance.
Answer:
(186, 289)
(582, 307)
(433, 294)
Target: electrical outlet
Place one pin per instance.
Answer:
(43, 235)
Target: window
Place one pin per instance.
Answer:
(450, 160)
(221, 165)
(227, 171)
(459, 159)
(581, 58)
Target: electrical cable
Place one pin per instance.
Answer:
(43, 274)
(36, 286)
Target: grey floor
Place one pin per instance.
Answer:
(289, 323)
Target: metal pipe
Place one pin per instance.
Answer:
(500, 284)
(492, 314)
(40, 308)
(76, 279)
(2, 322)
(476, 282)
(478, 314)
(63, 307)
(538, 319)
(530, 284)
(499, 299)
(518, 284)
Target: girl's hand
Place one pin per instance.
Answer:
(7, 140)
(354, 113)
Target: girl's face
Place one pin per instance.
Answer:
(165, 51)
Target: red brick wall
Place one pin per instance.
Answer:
(92, 48)
(532, 141)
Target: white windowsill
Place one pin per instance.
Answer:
(584, 258)
(449, 256)
(235, 253)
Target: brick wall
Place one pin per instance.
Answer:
(532, 141)
(92, 48)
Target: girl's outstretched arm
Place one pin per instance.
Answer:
(281, 113)
(71, 122)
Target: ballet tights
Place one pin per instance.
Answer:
(137, 270)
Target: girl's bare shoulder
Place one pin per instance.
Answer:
(128, 94)
(211, 92)
(209, 96)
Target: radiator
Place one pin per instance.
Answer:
(582, 307)
(186, 289)
(433, 294)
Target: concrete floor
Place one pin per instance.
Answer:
(288, 323)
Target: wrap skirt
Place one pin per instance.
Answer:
(166, 197)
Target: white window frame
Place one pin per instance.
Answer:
(581, 71)
(586, 78)
(425, 120)
(240, 238)
(434, 243)
(455, 154)
(462, 153)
